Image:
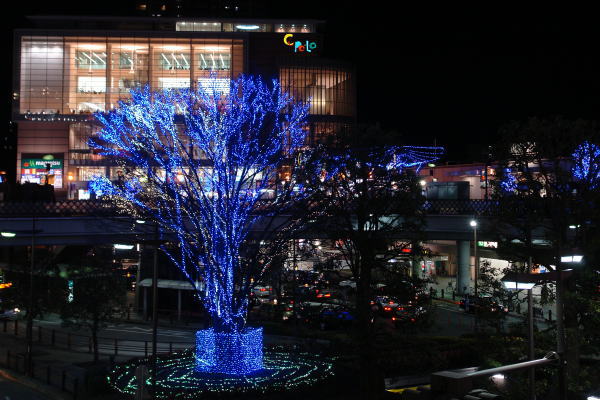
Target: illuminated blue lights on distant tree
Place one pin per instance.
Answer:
(586, 164)
(202, 164)
(508, 182)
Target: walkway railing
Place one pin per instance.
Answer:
(50, 375)
(100, 208)
(83, 343)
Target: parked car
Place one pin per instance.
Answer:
(308, 313)
(273, 312)
(335, 317)
(482, 304)
(325, 294)
(385, 304)
(408, 313)
(351, 284)
(262, 292)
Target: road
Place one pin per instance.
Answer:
(13, 390)
(450, 320)
(135, 339)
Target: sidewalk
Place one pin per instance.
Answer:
(444, 291)
(57, 372)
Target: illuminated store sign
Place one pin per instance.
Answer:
(35, 170)
(299, 47)
(489, 245)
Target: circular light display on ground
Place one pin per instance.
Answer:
(177, 376)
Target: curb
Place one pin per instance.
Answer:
(43, 389)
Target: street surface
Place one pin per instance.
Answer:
(134, 339)
(11, 390)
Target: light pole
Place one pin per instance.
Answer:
(473, 224)
(519, 281)
(513, 281)
(560, 322)
(30, 305)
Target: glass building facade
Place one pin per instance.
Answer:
(62, 77)
(78, 74)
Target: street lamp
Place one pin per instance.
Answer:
(560, 323)
(473, 224)
(29, 327)
(522, 281)
(516, 281)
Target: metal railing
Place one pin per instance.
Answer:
(83, 343)
(460, 383)
(51, 376)
(100, 208)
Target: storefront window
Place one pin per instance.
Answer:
(89, 173)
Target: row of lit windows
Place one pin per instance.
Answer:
(206, 60)
(67, 75)
(211, 26)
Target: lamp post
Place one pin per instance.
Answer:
(560, 323)
(473, 224)
(155, 243)
(29, 326)
(519, 281)
(514, 281)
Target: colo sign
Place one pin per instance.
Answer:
(299, 47)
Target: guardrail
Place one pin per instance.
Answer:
(460, 383)
(101, 208)
(51, 376)
(83, 343)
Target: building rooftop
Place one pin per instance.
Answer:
(193, 24)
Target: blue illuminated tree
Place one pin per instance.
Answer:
(210, 166)
(586, 164)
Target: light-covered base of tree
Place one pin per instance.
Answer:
(230, 353)
(177, 375)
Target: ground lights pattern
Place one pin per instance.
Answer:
(177, 376)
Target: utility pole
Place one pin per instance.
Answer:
(29, 333)
(531, 337)
(154, 308)
(560, 332)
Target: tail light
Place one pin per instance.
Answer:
(387, 308)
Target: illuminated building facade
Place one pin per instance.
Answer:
(67, 68)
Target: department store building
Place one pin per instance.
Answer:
(67, 68)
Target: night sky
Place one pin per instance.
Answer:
(445, 75)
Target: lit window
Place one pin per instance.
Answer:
(91, 84)
(214, 61)
(172, 61)
(90, 59)
(174, 83)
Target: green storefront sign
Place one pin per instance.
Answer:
(37, 163)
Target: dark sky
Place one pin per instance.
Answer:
(447, 74)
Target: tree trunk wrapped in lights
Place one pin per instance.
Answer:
(205, 166)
